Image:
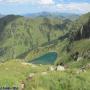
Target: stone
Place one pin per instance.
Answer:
(60, 68)
(79, 58)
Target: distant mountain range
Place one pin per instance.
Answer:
(1, 15)
(70, 16)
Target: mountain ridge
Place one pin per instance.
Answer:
(71, 16)
(21, 36)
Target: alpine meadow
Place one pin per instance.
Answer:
(47, 49)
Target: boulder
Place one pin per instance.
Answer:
(60, 68)
(79, 58)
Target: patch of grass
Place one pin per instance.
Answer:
(59, 81)
(81, 46)
(14, 71)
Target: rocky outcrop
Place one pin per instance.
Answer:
(80, 29)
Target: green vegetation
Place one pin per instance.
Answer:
(45, 40)
(60, 81)
(14, 71)
(19, 35)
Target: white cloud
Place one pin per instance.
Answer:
(16, 1)
(44, 2)
(51, 5)
(78, 7)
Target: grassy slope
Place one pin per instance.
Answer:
(14, 71)
(60, 81)
(81, 46)
(67, 80)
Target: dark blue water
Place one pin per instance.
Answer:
(48, 58)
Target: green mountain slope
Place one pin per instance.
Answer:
(19, 35)
(30, 38)
(79, 39)
(43, 40)
(80, 29)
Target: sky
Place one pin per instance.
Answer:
(34, 6)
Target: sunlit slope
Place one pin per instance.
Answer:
(19, 35)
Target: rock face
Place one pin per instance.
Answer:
(60, 68)
(79, 58)
(80, 29)
(57, 68)
(84, 32)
